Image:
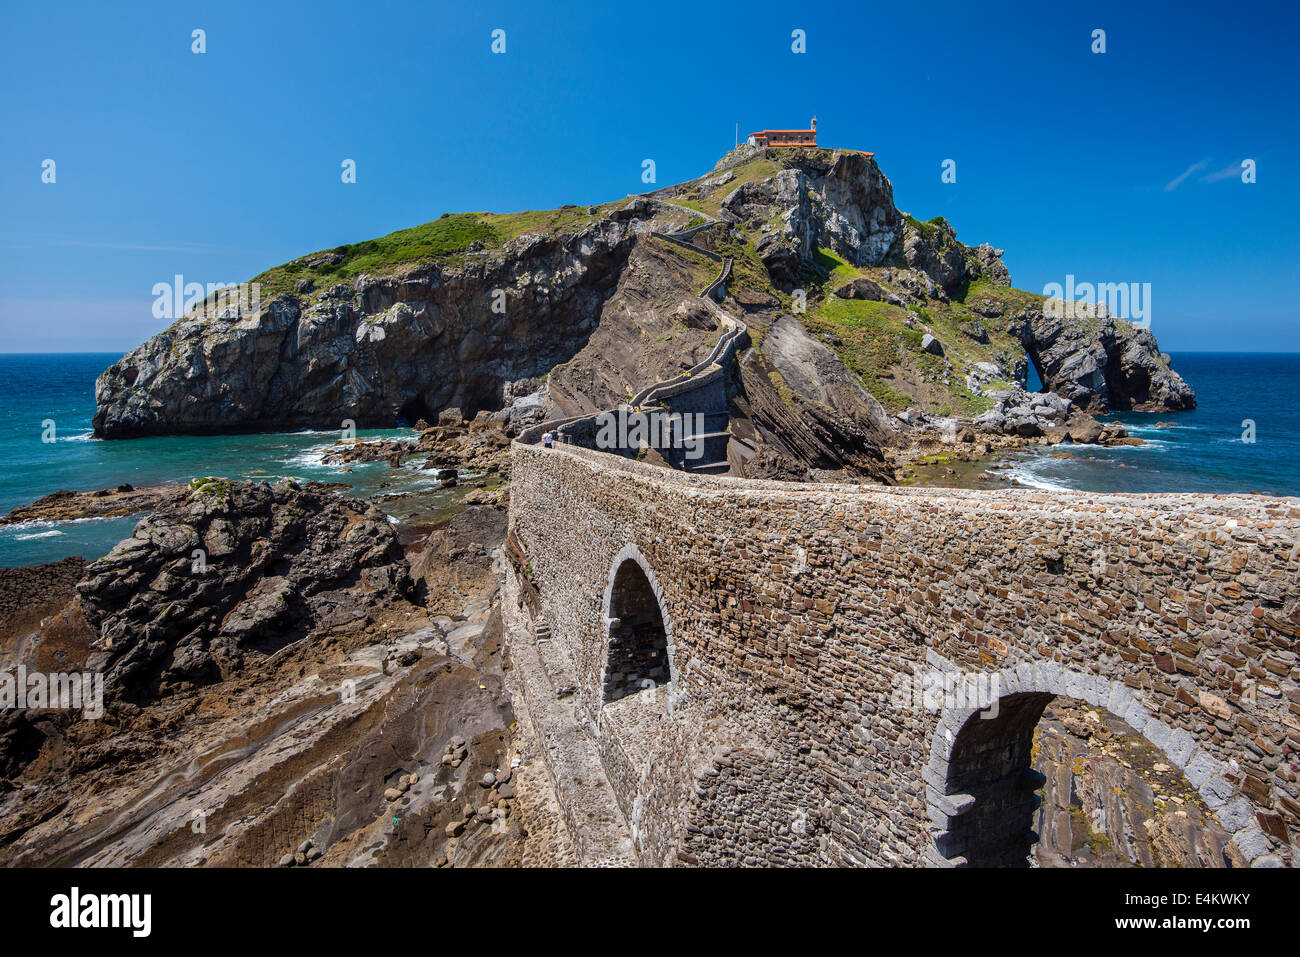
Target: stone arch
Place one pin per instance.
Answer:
(639, 651)
(979, 785)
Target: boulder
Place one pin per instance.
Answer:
(861, 288)
(1087, 432)
(931, 345)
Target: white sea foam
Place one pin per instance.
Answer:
(1025, 475)
(309, 458)
(44, 524)
(52, 533)
(1132, 429)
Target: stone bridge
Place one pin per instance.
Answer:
(726, 671)
(734, 652)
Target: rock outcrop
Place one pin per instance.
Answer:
(575, 315)
(375, 349)
(239, 568)
(383, 740)
(833, 200)
(804, 415)
(1102, 364)
(65, 505)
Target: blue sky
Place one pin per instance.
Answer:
(1114, 167)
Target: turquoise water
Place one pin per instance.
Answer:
(35, 388)
(1201, 451)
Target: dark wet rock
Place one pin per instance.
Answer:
(238, 568)
(65, 505)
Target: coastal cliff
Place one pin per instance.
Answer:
(543, 314)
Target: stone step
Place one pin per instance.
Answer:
(712, 435)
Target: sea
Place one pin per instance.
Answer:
(37, 390)
(1243, 436)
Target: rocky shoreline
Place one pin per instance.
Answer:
(263, 645)
(65, 505)
(319, 684)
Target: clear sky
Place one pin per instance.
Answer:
(1114, 167)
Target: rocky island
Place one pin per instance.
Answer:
(869, 329)
(605, 656)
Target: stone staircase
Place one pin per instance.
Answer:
(700, 390)
(716, 438)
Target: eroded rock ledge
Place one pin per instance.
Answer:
(238, 567)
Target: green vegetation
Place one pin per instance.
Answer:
(870, 337)
(747, 269)
(211, 489)
(782, 389)
(442, 240)
(880, 342)
(708, 199)
(446, 236)
(875, 340)
(837, 270)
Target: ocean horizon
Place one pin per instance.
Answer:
(1206, 449)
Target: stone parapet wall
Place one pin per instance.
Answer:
(798, 611)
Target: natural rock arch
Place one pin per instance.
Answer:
(979, 785)
(639, 651)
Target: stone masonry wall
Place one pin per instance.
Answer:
(795, 612)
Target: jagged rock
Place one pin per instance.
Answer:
(65, 505)
(830, 420)
(168, 615)
(782, 259)
(1027, 414)
(994, 269)
(1101, 364)
(837, 201)
(931, 345)
(940, 259)
(976, 331)
(376, 349)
